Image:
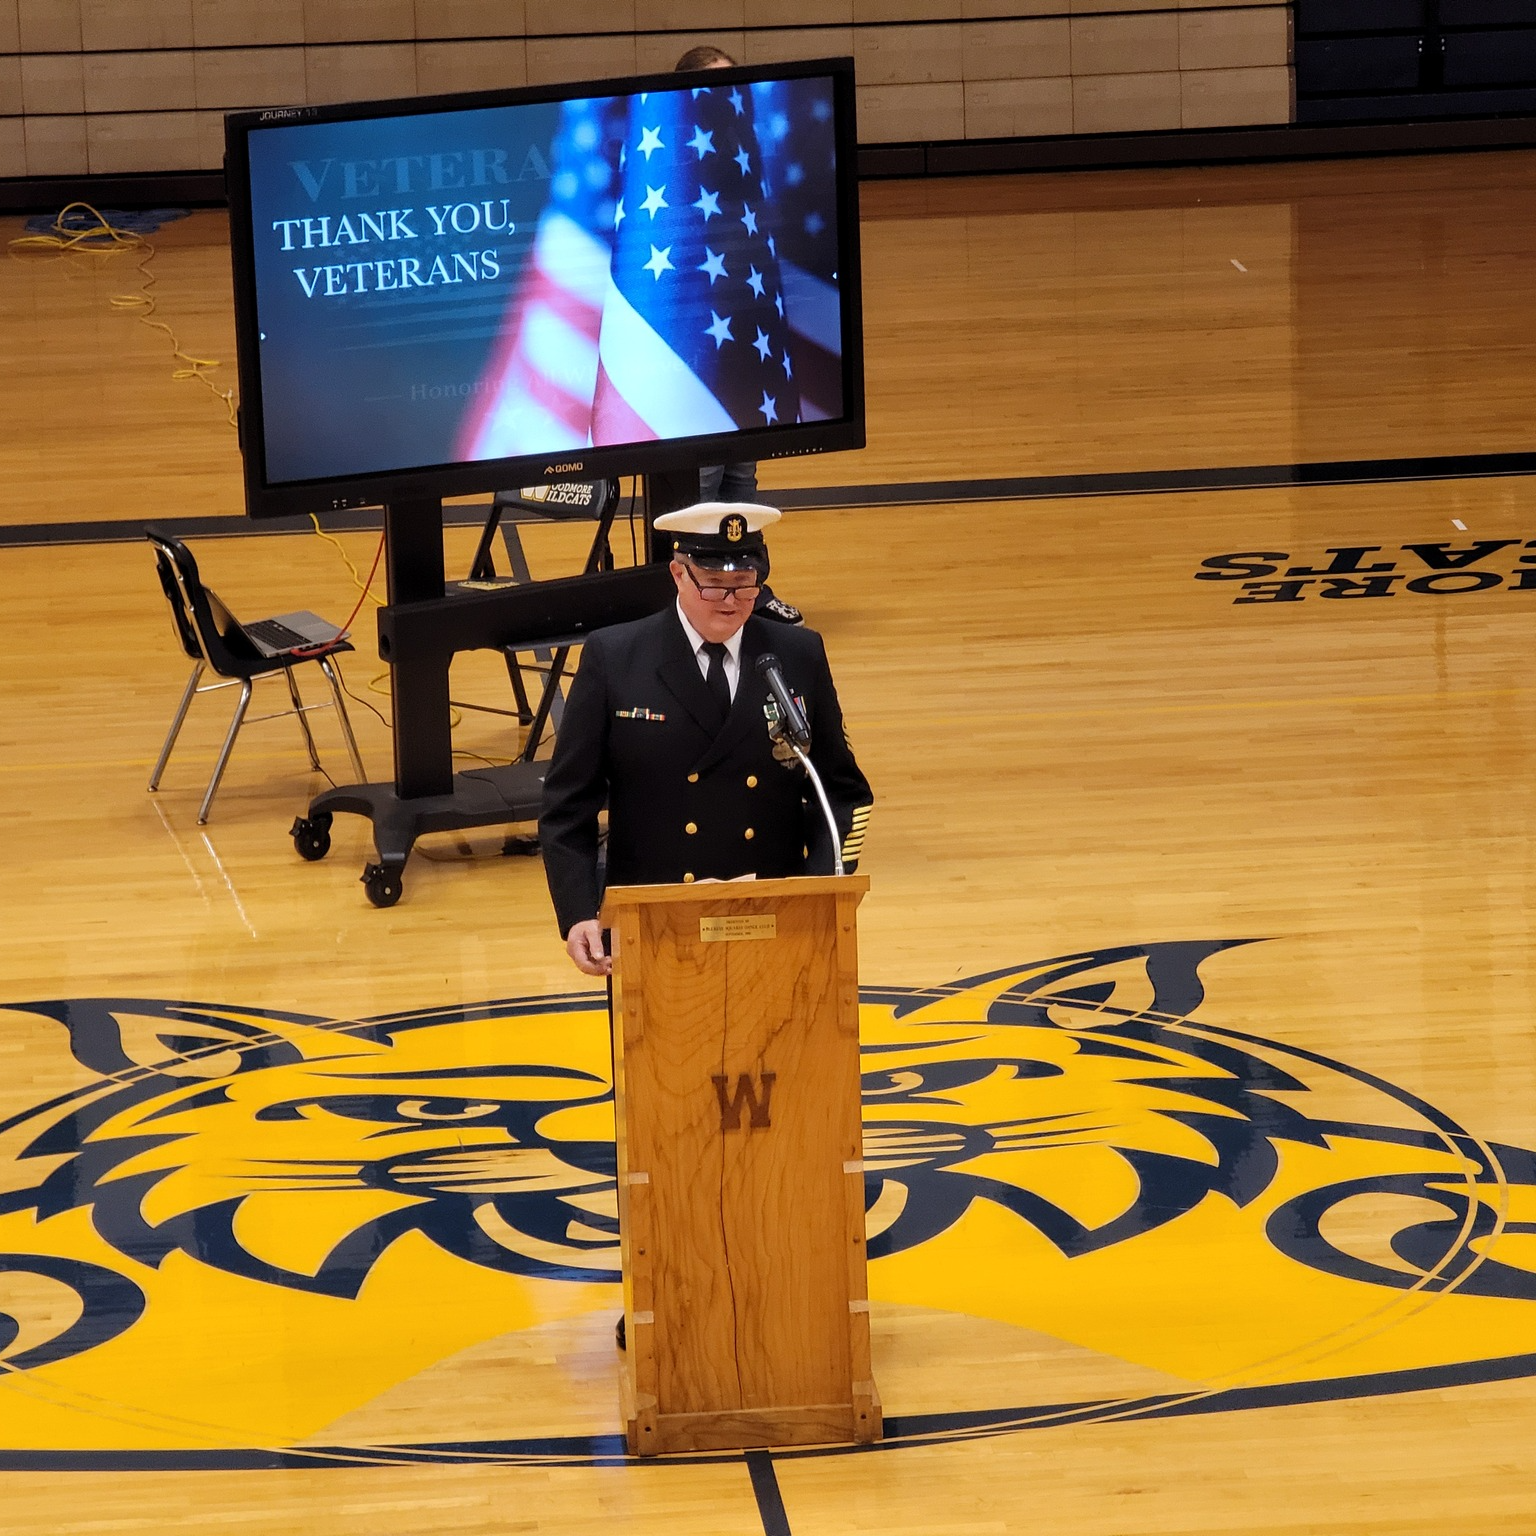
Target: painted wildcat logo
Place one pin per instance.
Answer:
(427, 1125)
(453, 1128)
(1060, 1147)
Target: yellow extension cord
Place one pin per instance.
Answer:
(103, 236)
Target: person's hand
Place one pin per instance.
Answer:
(584, 944)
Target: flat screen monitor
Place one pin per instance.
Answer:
(448, 295)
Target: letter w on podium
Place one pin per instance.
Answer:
(744, 1100)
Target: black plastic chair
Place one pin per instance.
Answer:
(215, 641)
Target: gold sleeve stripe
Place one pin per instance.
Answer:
(853, 844)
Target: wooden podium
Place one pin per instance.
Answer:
(741, 1180)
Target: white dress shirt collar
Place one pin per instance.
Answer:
(696, 640)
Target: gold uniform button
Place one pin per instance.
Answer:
(749, 834)
(693, 778)
(751, 781)
(691, 828)
(688, 879)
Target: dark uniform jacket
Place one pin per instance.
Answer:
(689, 799)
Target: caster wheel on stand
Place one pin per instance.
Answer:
(312, 836)
(383, 884)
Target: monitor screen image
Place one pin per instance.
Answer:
(455, 294)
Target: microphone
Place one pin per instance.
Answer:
(792, 719)
(793, 727)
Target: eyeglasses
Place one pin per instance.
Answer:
(720, 594)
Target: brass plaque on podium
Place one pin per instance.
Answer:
(722, 930)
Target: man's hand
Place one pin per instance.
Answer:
(584, 944)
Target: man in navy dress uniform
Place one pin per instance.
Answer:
(667, 725)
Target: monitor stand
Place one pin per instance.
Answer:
(426, 795)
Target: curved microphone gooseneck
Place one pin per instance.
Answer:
(794, 730)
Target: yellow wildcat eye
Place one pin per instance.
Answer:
(895, 1082)
(443, 1109)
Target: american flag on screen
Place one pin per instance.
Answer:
(693, 337)
(799, 179)
(657, 301)
(535, 395)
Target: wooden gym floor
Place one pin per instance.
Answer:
(1199, 944)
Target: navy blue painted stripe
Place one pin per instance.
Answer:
(765, 1488)
(126, 530)
(1145, 482)
(1141, 482)
(901, 1432)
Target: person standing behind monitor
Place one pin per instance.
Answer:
(734, 482)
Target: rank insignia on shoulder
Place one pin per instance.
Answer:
(638, 714)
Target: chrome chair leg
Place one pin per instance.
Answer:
(299, 715)
(187, 695)
(332, 676)
(224, 751)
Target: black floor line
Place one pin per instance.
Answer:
(128, 530)
(1146, 482)
(765, 1486)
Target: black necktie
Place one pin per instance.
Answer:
(715, 679)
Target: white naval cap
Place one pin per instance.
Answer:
(722, 535)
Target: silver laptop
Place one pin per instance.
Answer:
(289, 632)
